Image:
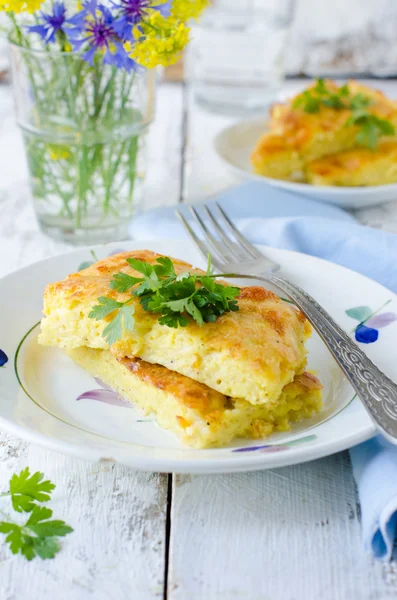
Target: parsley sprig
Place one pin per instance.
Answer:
(38, 535)
(370, 126)
(177, 298)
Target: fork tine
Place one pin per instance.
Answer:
(202, 246)
(222, 252)
(232, 246)
(250, 248)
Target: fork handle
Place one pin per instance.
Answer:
(374, 388)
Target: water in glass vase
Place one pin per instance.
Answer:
(84, 128)
(85, 189)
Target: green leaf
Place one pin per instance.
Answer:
(122, 282)
(141, 266)
(105, 307)
(174, 320)
(360, 313)
(46, 548)
(18, 540)
(128, 320)
(176, 305)
(320, 87)
(38, 523)
(6, 527)
(149, 284)
(24, 488)
(334, 101)
(183, 275)
(14, 537)
(165, 267)
(123, 320)
(37, 537)
(194, 312)
(39, 513)
(114, 330)
(51, 528)
(359, 101)
(385, 126)
(161, 291)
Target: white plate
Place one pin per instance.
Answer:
(235, 143)
(39, 386)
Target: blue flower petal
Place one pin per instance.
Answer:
(366, 335)
(89, 55)
(42, 30)
(3, 358)
(164, 9)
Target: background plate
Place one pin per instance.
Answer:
(235, 143)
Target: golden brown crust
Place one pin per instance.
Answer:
(360, 166)
(259, 309)
(189, 392)
(197, 395)
(295, 137)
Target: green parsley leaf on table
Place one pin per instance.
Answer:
(38, 536)
(178, 299)
(26, 488)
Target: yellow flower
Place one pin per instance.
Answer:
(58, 152)
(160, 41)
(188, 9)
(18, 6)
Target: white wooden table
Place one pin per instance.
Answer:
(283, 534)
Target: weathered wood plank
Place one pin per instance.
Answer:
(117, 550)
(285, 534)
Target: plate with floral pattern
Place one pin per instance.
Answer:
(46, 399)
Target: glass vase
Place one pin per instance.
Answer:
(84, 129)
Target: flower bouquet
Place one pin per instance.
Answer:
(84, 94)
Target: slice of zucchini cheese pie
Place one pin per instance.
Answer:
(212, 362)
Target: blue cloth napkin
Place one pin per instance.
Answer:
(276, 218)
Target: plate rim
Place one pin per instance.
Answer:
(147, 463)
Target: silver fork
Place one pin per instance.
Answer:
(231, 252)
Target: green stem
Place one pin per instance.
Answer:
(20, 36)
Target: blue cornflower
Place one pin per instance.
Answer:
(132, 12)
(94, 31)
(52, 23)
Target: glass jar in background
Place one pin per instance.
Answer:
(84, 130)
(235, 59)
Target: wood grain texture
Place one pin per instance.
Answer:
(285, 534)
(117, 550)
